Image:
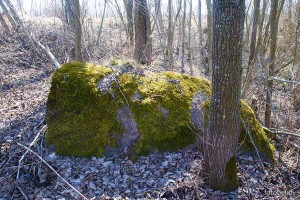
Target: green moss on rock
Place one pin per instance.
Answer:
(83, 121)
(250, 127)
(80, 120)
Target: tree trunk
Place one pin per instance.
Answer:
(143, 43)
(209, 36)
(221, 139)
(200, 31)
(160, 24)
(296, 57)
(4, 24)
(101, 23)
(189, 38)
(251, 59)
(260, 28)
(13, 12)
(129, 11)
(183, 37)
(78, 30)
(273, 46)
(8, 15)
(1, 93)
(169, 52)
(69, 16)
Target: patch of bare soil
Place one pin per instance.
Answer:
(28, 170)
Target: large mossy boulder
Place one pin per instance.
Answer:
(94, 111)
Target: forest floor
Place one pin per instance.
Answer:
(26, 79)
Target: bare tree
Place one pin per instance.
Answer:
(221, 139)
(73, 19)
(78, 30)
(190, 37)
(200, 31)
(101, 23)
(129, 11)
(183, 36)
(160, 25)
(260, 28)
(274, 17)
(169, 52)
(13, 12)
(7, 13)
(143, 43)
(4, 24)
(209, 35)
(251, 59)
(171, 27)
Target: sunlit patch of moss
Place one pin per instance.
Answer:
(81, 121)
(114, 62)
(174, 93)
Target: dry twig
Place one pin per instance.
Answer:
(46, 163)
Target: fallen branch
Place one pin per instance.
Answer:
(46, 49)
(22, 192)
(30, 145)
(285, 81)
(45, 162)
(275, 132)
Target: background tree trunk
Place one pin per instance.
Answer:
(251, 59)
(4, 24)
(260, 28)
(200, 32)
(183, 37)
(8, 15)
(101, 23)
(273, 45)
(209, 36)
(189, 56)
(129, 11)
(78, 30)
(13, 12)
(160, 25)
(143, 44)
(221, 139)
(169, 52)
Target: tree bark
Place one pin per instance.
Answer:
(4, 24)
(189, 56)
(143, 43)
(160, 25)
(273, 45)
(296, 57)
(171, 28)
(129, 11)
(78, 30)
(169, 52)
(8, 15)
(183, 37)
(260, 28)
(13, 12)
(209, 36)
(221, 138)
(200, 31)
(251, 60)
(101, 23)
